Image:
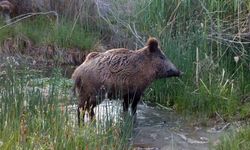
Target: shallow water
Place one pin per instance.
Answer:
(162, 129)
(156, 128)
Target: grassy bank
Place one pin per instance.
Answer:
(43, 30)
(36, 113)
(199, 37)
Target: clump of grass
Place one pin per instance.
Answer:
(34, 114)
(239, 139)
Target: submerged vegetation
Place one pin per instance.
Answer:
(205, 39)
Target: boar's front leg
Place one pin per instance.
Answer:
(131, 97)
(125, 102)
(136, 98)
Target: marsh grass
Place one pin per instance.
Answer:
(43, 30)
(35, 114)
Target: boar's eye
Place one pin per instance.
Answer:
(162, 57)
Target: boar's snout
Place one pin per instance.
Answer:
(174, 73)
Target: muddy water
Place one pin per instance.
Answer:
(156, 128)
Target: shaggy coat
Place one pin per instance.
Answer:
(120, 73)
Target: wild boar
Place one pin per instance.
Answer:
(120, 73)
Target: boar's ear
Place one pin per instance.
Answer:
(152, 44)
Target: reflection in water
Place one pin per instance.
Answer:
(107, 113)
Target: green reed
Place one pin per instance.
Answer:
(35, 113)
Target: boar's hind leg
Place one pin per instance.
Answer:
(79, 115)
(80, 112)
(91, 106)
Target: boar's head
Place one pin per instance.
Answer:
(161, 64)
